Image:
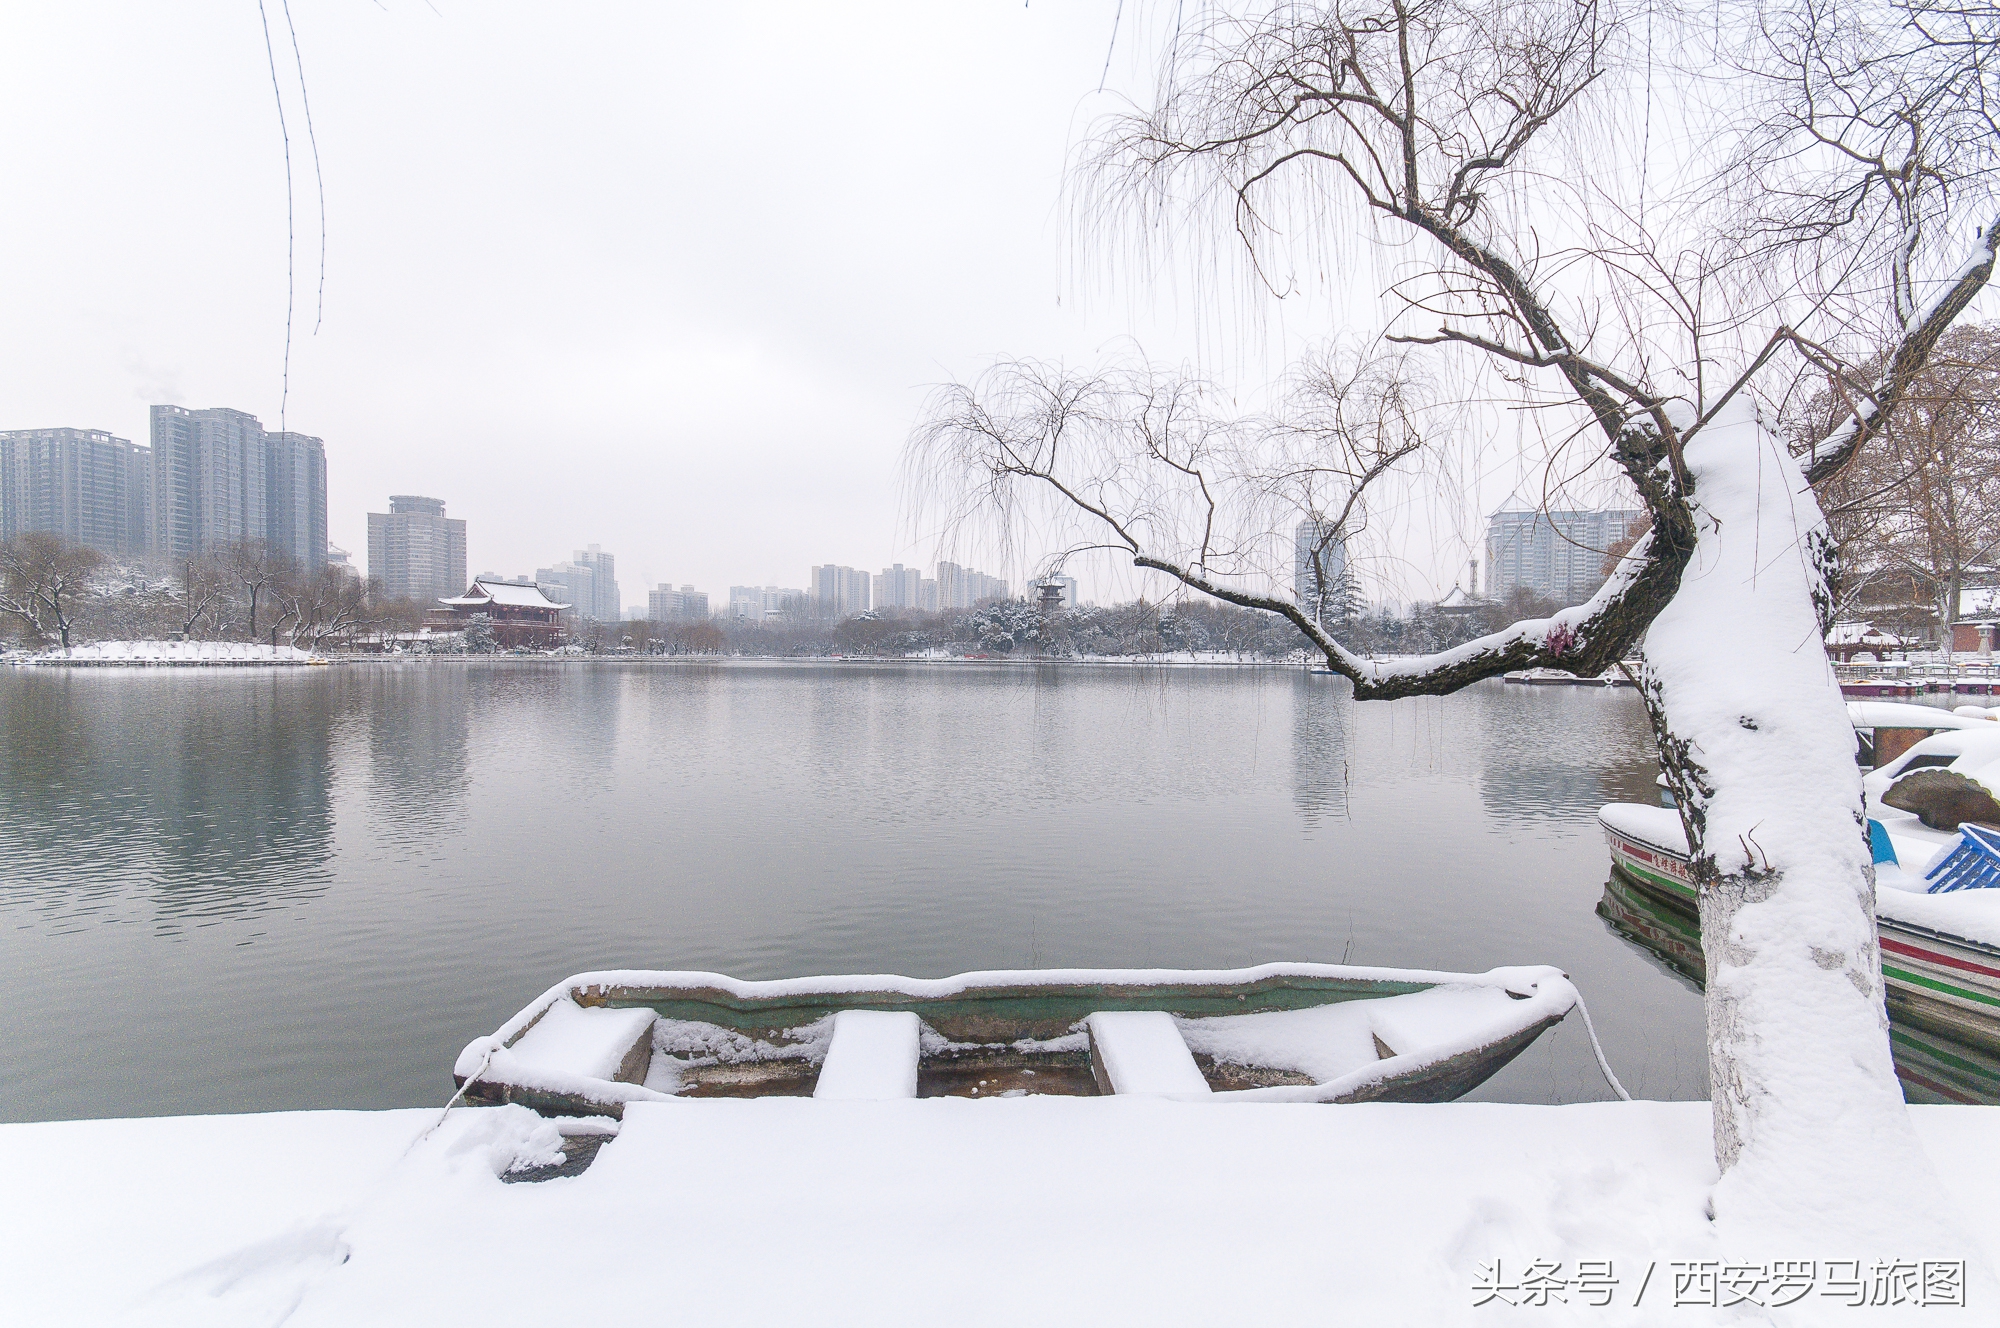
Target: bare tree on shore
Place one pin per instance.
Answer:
(44, 581)
(1921, 509)
(1643, 330)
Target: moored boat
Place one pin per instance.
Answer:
(1940, 953)
(1279, 1032)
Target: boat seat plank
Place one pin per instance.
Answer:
(873, 1056)
(1141, 1051)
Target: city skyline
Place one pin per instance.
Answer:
(433, 377)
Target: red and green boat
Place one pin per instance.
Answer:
(1940, 978)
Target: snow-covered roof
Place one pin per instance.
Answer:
(1978, 601)
(1860, 633)
(504, 593)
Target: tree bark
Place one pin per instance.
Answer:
(1811, 1133)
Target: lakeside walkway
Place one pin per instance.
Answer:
(1040, 1209)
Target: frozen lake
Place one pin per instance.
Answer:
(237, 890)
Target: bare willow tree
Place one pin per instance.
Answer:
(1496, 150)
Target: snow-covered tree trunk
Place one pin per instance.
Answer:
(1811, 1132)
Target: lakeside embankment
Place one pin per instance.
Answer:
(1111, 1211)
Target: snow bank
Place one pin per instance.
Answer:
(1118, 1211)
(176, 652)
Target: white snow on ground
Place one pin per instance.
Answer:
(787, 1210)
(176, 652)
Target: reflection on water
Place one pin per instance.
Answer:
(1320, 762)
(236, 890)
(1933, 1068)
(197, 801)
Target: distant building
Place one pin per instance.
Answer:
(635, 613)
(899, 587)
(339, 559)
(1065, 584)
(840, 592)
(1320, 584)
(603, 603)
(218, 478)
(759, 603)
(295, 497)
(963, 587)
(522, 616)
(1557, 555)
(415, 551)
(927, 594)
(575, 583)
(684, 605)
(82, 484)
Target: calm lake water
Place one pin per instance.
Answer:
(238, 890)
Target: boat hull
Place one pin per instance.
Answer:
(1945, 984)
(993, 1033)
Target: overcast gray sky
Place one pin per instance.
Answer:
(670, 278)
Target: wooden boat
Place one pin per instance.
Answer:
(1937, 975)
(1276, 1033)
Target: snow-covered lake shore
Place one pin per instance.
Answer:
(173, 652)
(785, 1210)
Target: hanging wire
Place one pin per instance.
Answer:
(1117, 14)
(285, 392)
(319, 181)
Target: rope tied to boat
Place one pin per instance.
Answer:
(473, 1078)
(1595, 1046)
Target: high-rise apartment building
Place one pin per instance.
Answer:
(219, 478)
(684, 605)
(963, 587)
(82, 484)
(295, 497)
(1557, 555)
(758, 603)
(415, 551)
(1319, 570)
(603, 602)
(575, 585)
(898, 587)
(840, 592)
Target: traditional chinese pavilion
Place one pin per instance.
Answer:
(521, 614)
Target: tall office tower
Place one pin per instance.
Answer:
(898, 587)
(927, 594)
(1319, 570)
(295, 497)
(840, 592)
(1557, 555)
(573, 584)
(82, 484)
(415, 551)
(684, 605)
(603, 603)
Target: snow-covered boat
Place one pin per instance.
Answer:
(1276, 1033)
(1940, 952)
